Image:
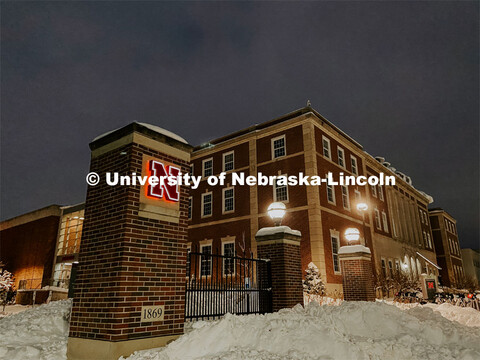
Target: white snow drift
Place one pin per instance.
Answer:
(39, 333)
(349, 331)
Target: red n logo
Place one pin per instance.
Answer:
(162, 189)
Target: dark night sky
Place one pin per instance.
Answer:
(402, 78)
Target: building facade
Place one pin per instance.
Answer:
(225, 219)
(448, 250)
(471, 264)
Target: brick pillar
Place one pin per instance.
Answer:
(356, 266)
(281, 245)
(130, 288)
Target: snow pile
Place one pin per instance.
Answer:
(39, 333)
(352, 330)
(464, 315)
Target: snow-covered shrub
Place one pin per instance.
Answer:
(313, 284)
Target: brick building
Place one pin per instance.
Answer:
(447, 246)
(225, 219)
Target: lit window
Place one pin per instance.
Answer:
(228, 263)
(385, 222)
(228, 200)
(207, 167)
(326, 147)
(377, 220)
(374, 190)
(341, 157)
(353, 162)
(335, 246)
(425, 238)
(380, 192)
(330, 194)
(228, 161)
(207, 204)
(206, 262)
(345, 198)
(278, 147)
(429, 241)
(397, 266)
(280, 191)
(421, 215)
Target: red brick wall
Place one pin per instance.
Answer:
(127, 261)
(357, 280)
(286, 273)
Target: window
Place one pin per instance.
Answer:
(394, 227)
(206, 204)
(390, 268)
(385, 222)
(326, 147)
(278, 147)
(191, 170)
(374, 190)
(429, 241)
(341, 157)
(353, 162)
(421, 215)
(207, 167)
(228, 249)
(190, 206)
(228, 200)
(228, 161)
(397, 266)
(380, 192)
(377, 220)
(426, 217)
(425, 238)
(384, 269)
(330, 194)
(206, 262)
(335, 247)
(280, 192)
(345, 198)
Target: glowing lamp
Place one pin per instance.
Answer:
(277, 211)
(362, 207)
(352, 234)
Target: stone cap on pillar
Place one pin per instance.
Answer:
(148, 130)
(278, 234)
(352, 251)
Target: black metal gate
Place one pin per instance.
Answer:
(219, 284)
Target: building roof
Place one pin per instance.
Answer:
(51, 210)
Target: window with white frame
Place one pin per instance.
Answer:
(207, 204)
(429, 241)
(425, 238)
(280, 190)
(207, 167)
(380, 193)
(394, 227)
(421, 215)
(228, 161)
(335, 247)
(385, 222)
(341, 157)
(326, 147)
(353, 162)
(397, 266)
(426, 217)
(330, 194)
(206, 260)
(190, 207)
(228, 200)
(345, 198)
(378, 223)
(228, 250)
(278, 147)
(390, 268)
(373, 189)
(384, 269)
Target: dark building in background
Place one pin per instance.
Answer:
(471, 264)
(447, 246)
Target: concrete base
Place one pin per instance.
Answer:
(87, 349)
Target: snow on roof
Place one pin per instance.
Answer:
(277, 229)
(155, 128)
(352, 249)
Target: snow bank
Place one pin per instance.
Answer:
(353, 330)
(151, 127)
(38, 333)
(277, 229)
(464, 315)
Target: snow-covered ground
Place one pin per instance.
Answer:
(351, 330)
(38, 333)
(13, 309)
